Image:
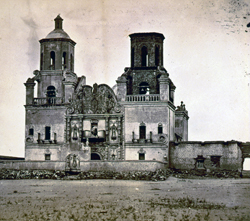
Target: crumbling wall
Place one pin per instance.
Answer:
(213, 155)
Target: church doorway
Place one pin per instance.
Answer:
(95, 156)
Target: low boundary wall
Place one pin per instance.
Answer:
(118, 166)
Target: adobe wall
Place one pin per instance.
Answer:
(118, 166)
(182, 155)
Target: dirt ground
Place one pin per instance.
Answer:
(173, 199)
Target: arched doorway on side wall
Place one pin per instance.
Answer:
(95, 156)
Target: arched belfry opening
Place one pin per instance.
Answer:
(52, 60)
(71, 62)
(41, 62)
(144, 56)
(51, 91)
(132, 57)
(64, 66)
(144, 88)
(157, 55)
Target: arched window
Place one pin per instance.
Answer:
(71, 62)
(52, 60)
(157, 55)
(144, 88)
(132, 57)
(41, 62)
(64, 61)
(160, 128)
(51, 91)
(142, 131)
(144, 56)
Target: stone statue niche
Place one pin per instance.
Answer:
(72, 163)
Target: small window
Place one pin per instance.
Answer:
(47, 133)
(160, 129)
(47, 156)
(141, 156)
(31, 131)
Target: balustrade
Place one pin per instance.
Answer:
(48, 101)
(143, 98)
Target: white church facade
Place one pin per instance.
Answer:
(72, 122)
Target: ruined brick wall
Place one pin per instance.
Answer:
(184, 155)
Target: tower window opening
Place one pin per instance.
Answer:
(142, 131)
(157, 61)
(64, 61)
(144, 88)
(71, 62)
(51, 91)
(47, 133)
(144, 56)
(132, 57)
(41, 62)
(52, 60)
(160, 129)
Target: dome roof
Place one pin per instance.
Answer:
(58, 33)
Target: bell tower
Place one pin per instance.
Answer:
(56, 64)
(57, 49)
(146, 50)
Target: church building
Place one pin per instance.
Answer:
(75, 123)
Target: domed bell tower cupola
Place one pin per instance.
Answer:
(56, 76)
(57, 49)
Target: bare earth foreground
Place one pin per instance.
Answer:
(173, 199)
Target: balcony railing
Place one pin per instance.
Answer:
(48, 101)
(143, 97)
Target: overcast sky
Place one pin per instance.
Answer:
(206, 53)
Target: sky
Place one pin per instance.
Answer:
(206, 53)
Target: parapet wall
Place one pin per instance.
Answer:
(184, 155)
(117, 166)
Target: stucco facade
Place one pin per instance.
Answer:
(72, 122)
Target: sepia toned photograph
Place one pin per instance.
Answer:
(125, 110)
